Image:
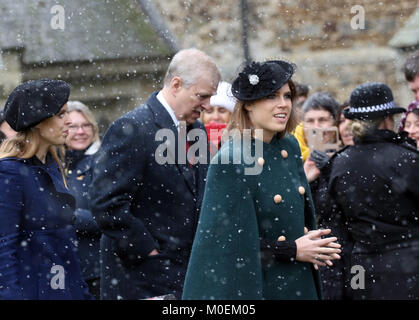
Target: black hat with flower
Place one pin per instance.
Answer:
(261, 79)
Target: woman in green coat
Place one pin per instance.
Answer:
(252, 240)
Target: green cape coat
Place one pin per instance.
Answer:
(238, 211)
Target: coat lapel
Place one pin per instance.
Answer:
(162, 120)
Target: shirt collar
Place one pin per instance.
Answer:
(169, 109)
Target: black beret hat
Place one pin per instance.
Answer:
(34, 101)
(371, 101)
(260, 79)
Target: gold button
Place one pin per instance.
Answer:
(261, 161)
(284, 153)
(301, 190)
(277, 198)
(305, 230)
(282, 238)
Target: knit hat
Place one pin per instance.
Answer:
(260, 79)
(371, 101)
(414, 105)
(224, 98)
(34, 101)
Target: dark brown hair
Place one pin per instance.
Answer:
(339, 112)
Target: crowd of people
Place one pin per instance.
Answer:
(88, 218)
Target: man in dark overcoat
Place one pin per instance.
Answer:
(145, 196)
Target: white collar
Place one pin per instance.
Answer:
(169, 109)
(93, 148)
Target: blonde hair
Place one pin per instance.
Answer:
(240, 120)
(24, 145)
(85, 111)
(361, 128)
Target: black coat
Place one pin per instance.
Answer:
(332, 278)
(141, 205)
(374, 184)
(79, 176)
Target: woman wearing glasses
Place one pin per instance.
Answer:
(82, 143)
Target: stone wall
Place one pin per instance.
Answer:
(109, 51)
(109, 88)
(315, 34)
(10, 73)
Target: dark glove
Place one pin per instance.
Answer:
(278, 250)
(85, 224)
(320, 158)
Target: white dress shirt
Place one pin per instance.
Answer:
(169, 109)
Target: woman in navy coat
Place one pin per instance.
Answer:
(38, 259)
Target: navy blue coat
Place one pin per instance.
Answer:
(79, 177)
(36, 232)
(141, 205)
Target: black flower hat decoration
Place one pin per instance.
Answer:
(260, 79)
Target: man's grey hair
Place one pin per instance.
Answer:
(191, 65)
(321, 101)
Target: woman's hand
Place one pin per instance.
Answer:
(332, 245)
(311, 170)
(312, 248)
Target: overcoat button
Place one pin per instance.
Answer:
(261, 161)
(305, 230)
(277, 198)
(301, 190)
(284, 153)
(282, 238)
